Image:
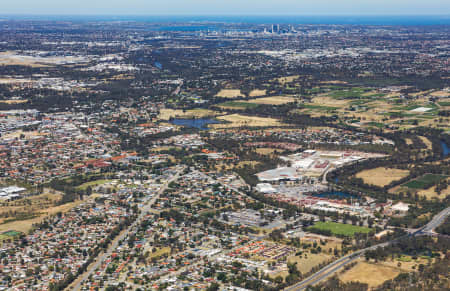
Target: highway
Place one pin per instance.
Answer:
(115, 243)
(328, 270)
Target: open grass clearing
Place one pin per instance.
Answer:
(431, 193)
(304, 263)
(266, 151)
(424, 182)
(427, 142)
(307, 261)
(230, 93)
(92, 184)
(238, 120)
(237, 105)
(339, 228)
(370, 273)
(273, 100)
(166, 114)
(26, 225)
(10, 101)
(257, 93)
(160, 252)
(287, 79)
(382, 176)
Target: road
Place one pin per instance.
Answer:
(328, 270)
(437, 220)
(113, 246)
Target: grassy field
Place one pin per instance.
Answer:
(371, 274)
(424, 182)
(273, 100)
(26, 225)
(166, 114)
(382, 176)
(266, 151)
(238, 120)
(237, 105)
(304, 263)
(230, 93)
(431, 193)
(308, 261)
(9, 235)
(160, 252)
(92, 184)
(339, 228)
(287, 79)
(13, 101)
(257, 93)
(427, 142)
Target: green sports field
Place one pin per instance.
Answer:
(424, 182)
(339, 228)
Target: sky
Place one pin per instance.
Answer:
(226, 7)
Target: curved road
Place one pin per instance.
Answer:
(437, 220)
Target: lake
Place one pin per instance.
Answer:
(200, 123)
(445, 149)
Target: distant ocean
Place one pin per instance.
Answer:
(324, 19)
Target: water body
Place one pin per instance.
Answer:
(201, 123)
(158, 65)
(445, 149)
(335, 195)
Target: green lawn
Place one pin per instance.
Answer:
(339, 228)
(424, 182)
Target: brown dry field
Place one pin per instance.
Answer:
(441, 94)
(244, 163)
(304, 265)
(431, 192)
(266, 151)
(374, 274)
(427, 142)
(324, 100)
(43, 204)
(287, 79)
(382, 176)
(257, 93)
(166, 114)
(230, 93)
(371, 274)
(273, 100)
(13, 81)
(237, 120)
(13, 101)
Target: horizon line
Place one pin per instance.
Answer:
(215, 15)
